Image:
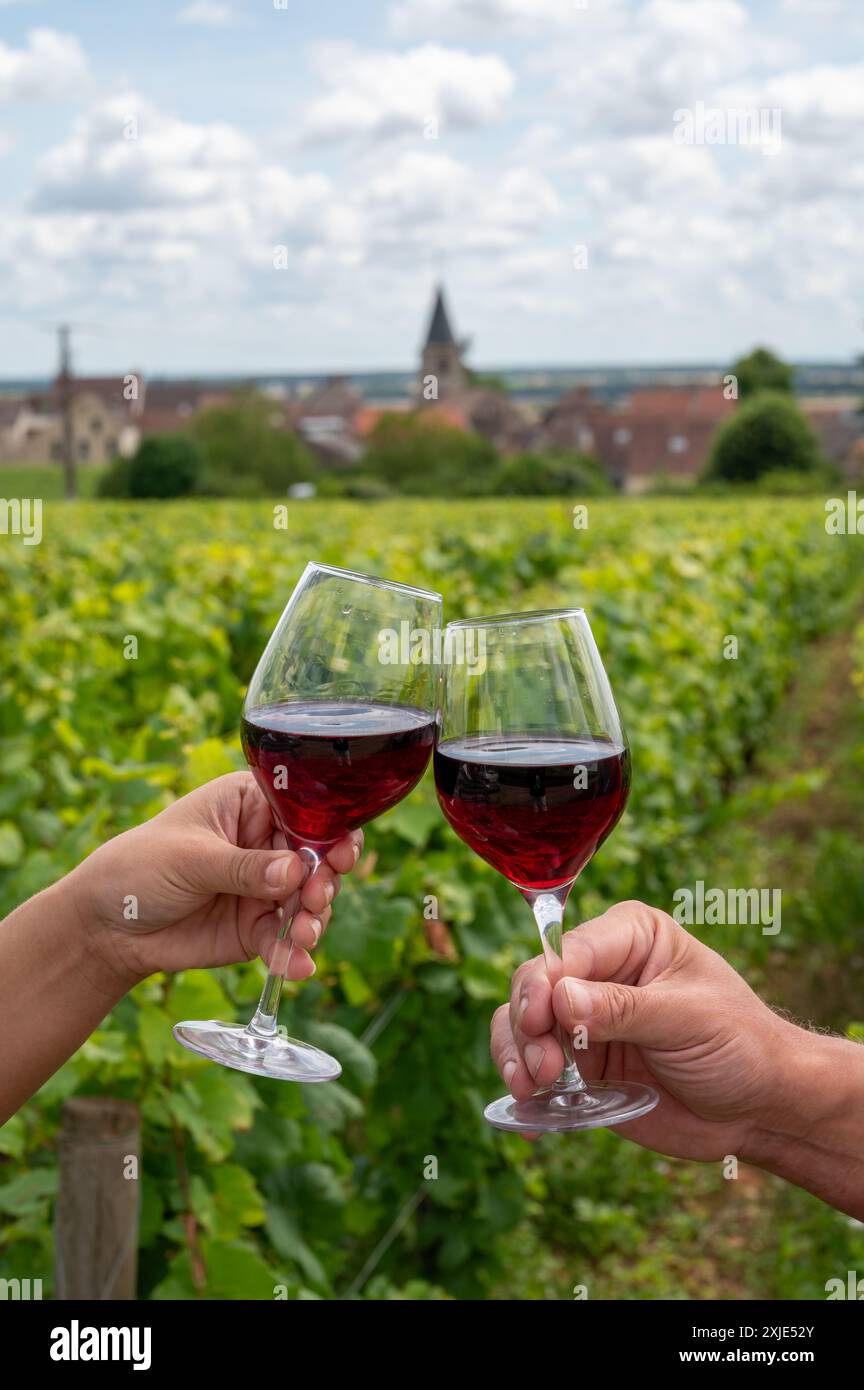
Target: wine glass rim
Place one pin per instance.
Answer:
(374, 580)
(537, 615)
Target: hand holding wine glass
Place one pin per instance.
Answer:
(532, 771)
(337, 728)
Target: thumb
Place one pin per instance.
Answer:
(251, 873)
(613, 1012)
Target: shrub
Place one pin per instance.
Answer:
(248, 450)
(552, 475)
(166, 465)
(115, 480)
(413, 452)
(763, 436)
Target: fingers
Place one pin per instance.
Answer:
(630, 944)
(615, 1012)
(307, 929)
(319, 891)
(285, 957)
(531, 999)
(525, 1063)
(218, 867)
(609, 966)
(344, 856)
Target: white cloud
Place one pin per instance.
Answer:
(207, 12)
(634, 68)
(125, 154)
(693, 250)
(408, 18)
(52, 66)
(191, 214)
(181, 211)
(377, 95)
(819, 104)
(425, 203)
(819, 9)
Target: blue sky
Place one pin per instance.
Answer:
(223, 185)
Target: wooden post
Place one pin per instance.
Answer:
(67, 438)
(96, 1228)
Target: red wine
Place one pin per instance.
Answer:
(327, 766)
(535, 807)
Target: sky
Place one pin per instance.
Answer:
(276, 185)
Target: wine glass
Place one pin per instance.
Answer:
(532, 771)
(338, 726)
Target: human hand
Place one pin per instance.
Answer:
(661, 1008)
(209, 875)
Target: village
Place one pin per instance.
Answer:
(650, 436)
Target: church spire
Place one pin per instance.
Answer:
(440, 333)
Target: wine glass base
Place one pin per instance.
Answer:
(234, 1045)
(601, 1103)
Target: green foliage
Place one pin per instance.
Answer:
(165, 465)
(486, 381)
(415, 453)
(353, 483)
(114, 482)
(761, 370)
(46, 480)
(556, 474)
(248, 450)
(785, 482)
(265, 1186)
(765, 435)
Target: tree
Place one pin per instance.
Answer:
(555, 474)
(761, 370)
(165, 465)
(766, 434)
(247, 448)
(486, 381)
(413, 452)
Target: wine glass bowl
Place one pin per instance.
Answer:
(337, 727)
(532, 771)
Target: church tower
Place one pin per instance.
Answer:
(442, 372)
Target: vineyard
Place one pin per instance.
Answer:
(128, 636)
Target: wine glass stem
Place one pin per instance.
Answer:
(263, 1021)
(548, 909)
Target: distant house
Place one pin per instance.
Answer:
(109, 416)
(169, 406)
(838, 423)
(328, 421)
(580, 423)
(32, 429)
(657, 434)
(666, 433)
(106, 414)
(19, 425)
